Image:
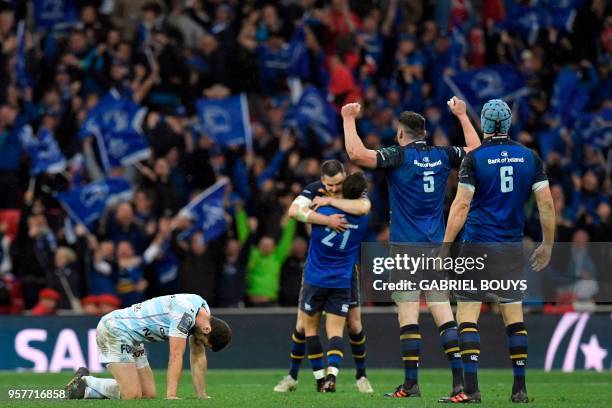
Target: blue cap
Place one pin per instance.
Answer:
(496, 117)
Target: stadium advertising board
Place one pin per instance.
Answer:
(573, 341)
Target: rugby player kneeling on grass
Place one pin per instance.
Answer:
(120, 336)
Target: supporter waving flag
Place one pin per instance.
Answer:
(226, 120)
(476, 86)
(206, 211)
(87, 204)
(45, 154)
(314, 113)
(115, 122)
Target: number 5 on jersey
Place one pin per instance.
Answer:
(429, 185)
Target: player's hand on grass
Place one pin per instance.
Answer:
(337, 222)
(320, 202)
(457, 106)
(541, 257)
(350, 110)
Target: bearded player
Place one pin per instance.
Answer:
(417, 175)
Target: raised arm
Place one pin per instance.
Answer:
(459, 109)
(284, 244)
(355, 149)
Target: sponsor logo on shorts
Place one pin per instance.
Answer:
(307, 307)
(126, 348)
(345, 308)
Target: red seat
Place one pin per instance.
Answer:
(11, 217)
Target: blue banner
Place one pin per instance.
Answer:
(477, 86)
(21, 73)
(45, 154)
(116, 122)
(49, 14)
(206, 211)
(313, 112)
(299, 61)
(569, 342)
(85, 205)
(594, 128)
(527, 20)
(124, 148)
(226, 120)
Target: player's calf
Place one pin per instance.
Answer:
(517, 348)
(314, 350)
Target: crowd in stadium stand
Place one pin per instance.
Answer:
(391, 55)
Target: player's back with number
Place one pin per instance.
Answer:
(332, 255)
(502, 173)
(417, 175)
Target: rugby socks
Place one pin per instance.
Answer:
(517, 347)
(469, 343)
(107, 387)
(410, 340)
(358, 348)
(298, 348)
(450, 344)
(334, 355)
(315, 355)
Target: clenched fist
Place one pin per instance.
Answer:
(457, 106)
(351, 110)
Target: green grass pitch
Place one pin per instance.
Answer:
(253, 388)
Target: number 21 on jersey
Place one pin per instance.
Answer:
(345, 236)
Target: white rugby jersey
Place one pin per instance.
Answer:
(159, 318)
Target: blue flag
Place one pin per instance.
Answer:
(21, 73)
(226, 120)
(314, 113)
(116, 124)
(45, 154)
(50, 14)
(595, 128)
(206, 211)
(477, 86)
(87, 204)
(299, 60)
(528, 20)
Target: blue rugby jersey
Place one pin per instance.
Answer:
(502, 173)
(332, 255)
(417, 174)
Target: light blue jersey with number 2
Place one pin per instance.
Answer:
(332, 255)
(159, 318)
